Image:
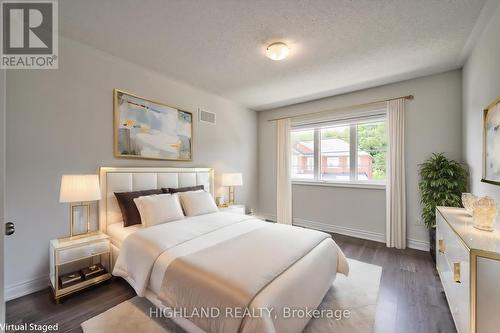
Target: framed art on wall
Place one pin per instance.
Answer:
(491, 143)
(151, 130)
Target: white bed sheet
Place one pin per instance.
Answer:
(321, 263)
(192, 246)
(118, 232)
(277, 294)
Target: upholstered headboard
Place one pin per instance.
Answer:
(136, 179)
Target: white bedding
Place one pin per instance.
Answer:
(138, 254)
(195, 245)
(277, 294)
(118, 232)
(145, 257)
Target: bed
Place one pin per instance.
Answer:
(210, 262)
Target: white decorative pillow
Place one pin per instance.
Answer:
(198, 203)
(160, 208)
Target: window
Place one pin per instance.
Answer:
(332, 162)
(302, 142)
(310, 163)
(335, 145)
(351, 151)
(371, 148)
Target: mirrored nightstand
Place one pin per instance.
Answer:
(236, 209)
(78, 263)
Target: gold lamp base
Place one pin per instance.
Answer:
(231, 195)
(79, 220)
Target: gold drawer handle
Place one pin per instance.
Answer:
(441, 245)
(456, 272)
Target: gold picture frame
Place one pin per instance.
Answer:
(491, 140)
(144, 129)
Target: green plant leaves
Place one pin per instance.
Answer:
(442, 182)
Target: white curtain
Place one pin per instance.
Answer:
(283, 184)
(396, 189)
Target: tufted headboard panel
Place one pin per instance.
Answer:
(126, 179)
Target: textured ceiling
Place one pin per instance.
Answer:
(337, 45)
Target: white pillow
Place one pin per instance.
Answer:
(160, 208)
(198, 203)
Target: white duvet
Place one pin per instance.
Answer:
(140, 251)
(146, 255)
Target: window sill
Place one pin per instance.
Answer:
(340, 184)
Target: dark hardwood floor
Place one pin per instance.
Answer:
(410, 299)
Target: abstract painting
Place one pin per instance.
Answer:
(151, 130)
(491, 144)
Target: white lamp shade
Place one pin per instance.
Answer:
(232, 179)
(79, 188)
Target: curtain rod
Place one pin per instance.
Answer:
(410, 97)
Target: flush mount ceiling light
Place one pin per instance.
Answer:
(277, 51)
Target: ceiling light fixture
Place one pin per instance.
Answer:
(277, 51)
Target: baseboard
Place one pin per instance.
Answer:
(358, 233)
(352, 232)
(418, 244)
(266, 217)
(17, 290)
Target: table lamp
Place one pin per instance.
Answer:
(79, 190)
(231, 180)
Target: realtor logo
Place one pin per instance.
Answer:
(29, 35)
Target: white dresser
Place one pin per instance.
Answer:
(468, 263)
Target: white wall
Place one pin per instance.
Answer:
(481, 86)
(433, 124)
(61, 121)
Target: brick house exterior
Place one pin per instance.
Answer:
(334, 159)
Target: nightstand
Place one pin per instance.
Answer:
(236, 209)
(78, 263)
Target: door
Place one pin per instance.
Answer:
(2, 186)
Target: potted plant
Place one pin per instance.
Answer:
(442, 182)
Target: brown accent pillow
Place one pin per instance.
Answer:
(129, 210)
(183, 189)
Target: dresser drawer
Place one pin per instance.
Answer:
(79, 252)
(453, 263)
(441, 262)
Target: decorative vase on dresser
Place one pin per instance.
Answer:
(468, 263)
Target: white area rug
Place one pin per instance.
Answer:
(356, 293)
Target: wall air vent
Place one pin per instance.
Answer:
(206, 117)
